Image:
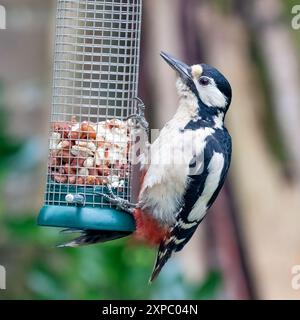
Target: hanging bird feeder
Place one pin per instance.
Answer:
(95, 83)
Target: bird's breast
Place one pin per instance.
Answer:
(168, 171)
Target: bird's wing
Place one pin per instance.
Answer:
(201, 192)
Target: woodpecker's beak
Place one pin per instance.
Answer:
(181, 68)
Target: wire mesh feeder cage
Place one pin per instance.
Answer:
(95, 83)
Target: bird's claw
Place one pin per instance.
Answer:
(139, 115)
(119, 202)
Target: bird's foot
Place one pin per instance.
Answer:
(139, 115)
(117, 201)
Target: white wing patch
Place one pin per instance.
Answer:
(188, 225)
(215, 168)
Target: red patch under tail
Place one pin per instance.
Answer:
(148, 229)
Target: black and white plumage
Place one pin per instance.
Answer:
(189, 160)
(185, 168)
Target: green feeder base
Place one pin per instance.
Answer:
(86, 218)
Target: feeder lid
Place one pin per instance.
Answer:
(86, 218)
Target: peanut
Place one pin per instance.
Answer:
(91, 145)
(79, 180)
(104, 170)
(87, 131)
(83, 172)
(64, 144)
(98, 181)
(93, 172)
(65, 156)
(74, 135)
(91, 154)
(62, 127)
(69, 169)
(90, 180)
(89, 162)
(77, 162)
(60, 178)
(81, 151)
(72, 179)
(100, 142)
(53, 161)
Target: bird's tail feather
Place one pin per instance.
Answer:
(93, 236)
(173, 242)
(165, 251)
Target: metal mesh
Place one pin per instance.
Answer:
(95, 82)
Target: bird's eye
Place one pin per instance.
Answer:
(204, 81)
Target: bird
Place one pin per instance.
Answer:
(184, 169)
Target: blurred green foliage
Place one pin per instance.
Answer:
(8, 146)
(115, 270)
(36, 269)
(269, 123)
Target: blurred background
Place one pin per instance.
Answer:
(248, 244)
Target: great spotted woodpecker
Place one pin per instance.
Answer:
(186, 166)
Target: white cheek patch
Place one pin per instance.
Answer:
(210, 95)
